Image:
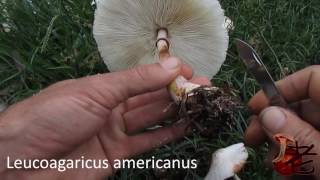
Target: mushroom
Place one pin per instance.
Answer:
(130, 33)
(126, 32)
(227, 162)
(289, 160)
(284, 141)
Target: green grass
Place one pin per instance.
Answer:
(52, 40)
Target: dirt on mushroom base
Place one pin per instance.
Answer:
(210, 110)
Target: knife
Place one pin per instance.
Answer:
(255, 65)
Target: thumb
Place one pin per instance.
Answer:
(117, 87)
(276, 120)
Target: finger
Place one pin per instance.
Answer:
(146, 99)
(117, 87)
(258, 102)
(273, 152)
(151, 140)
(201, 80)
(301, 85)
(153, 113)
(254, 135)
(187, 71)
(164, 53)
(161, 94)
(308, 111)
(148, 116)
(275, 120)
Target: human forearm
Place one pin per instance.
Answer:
(3, 149)
(10, 143)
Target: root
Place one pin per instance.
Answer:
(209, 110)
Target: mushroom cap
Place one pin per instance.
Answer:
(126, 32)
(279, 137)
(226, 162)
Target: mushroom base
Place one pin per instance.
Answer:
(210, 110)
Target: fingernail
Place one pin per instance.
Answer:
(273, 119)
(170, 63)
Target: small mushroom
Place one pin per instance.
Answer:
(227, 162)
(289, 160)
(284, 142)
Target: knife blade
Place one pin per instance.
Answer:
(256, 67)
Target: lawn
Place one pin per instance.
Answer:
(52, 40)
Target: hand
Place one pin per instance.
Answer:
(99, 117)
(302, 91)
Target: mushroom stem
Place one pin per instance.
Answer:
(283, 141)
(283, 147)
(180, 86)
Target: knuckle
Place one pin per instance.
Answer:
(292, 83)
(140, 73)
(315, 68)
(65, 82)
(61, 84)
(174, 59)
(307, 135)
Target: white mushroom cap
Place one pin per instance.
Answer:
(126, 32)
(227, 162)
